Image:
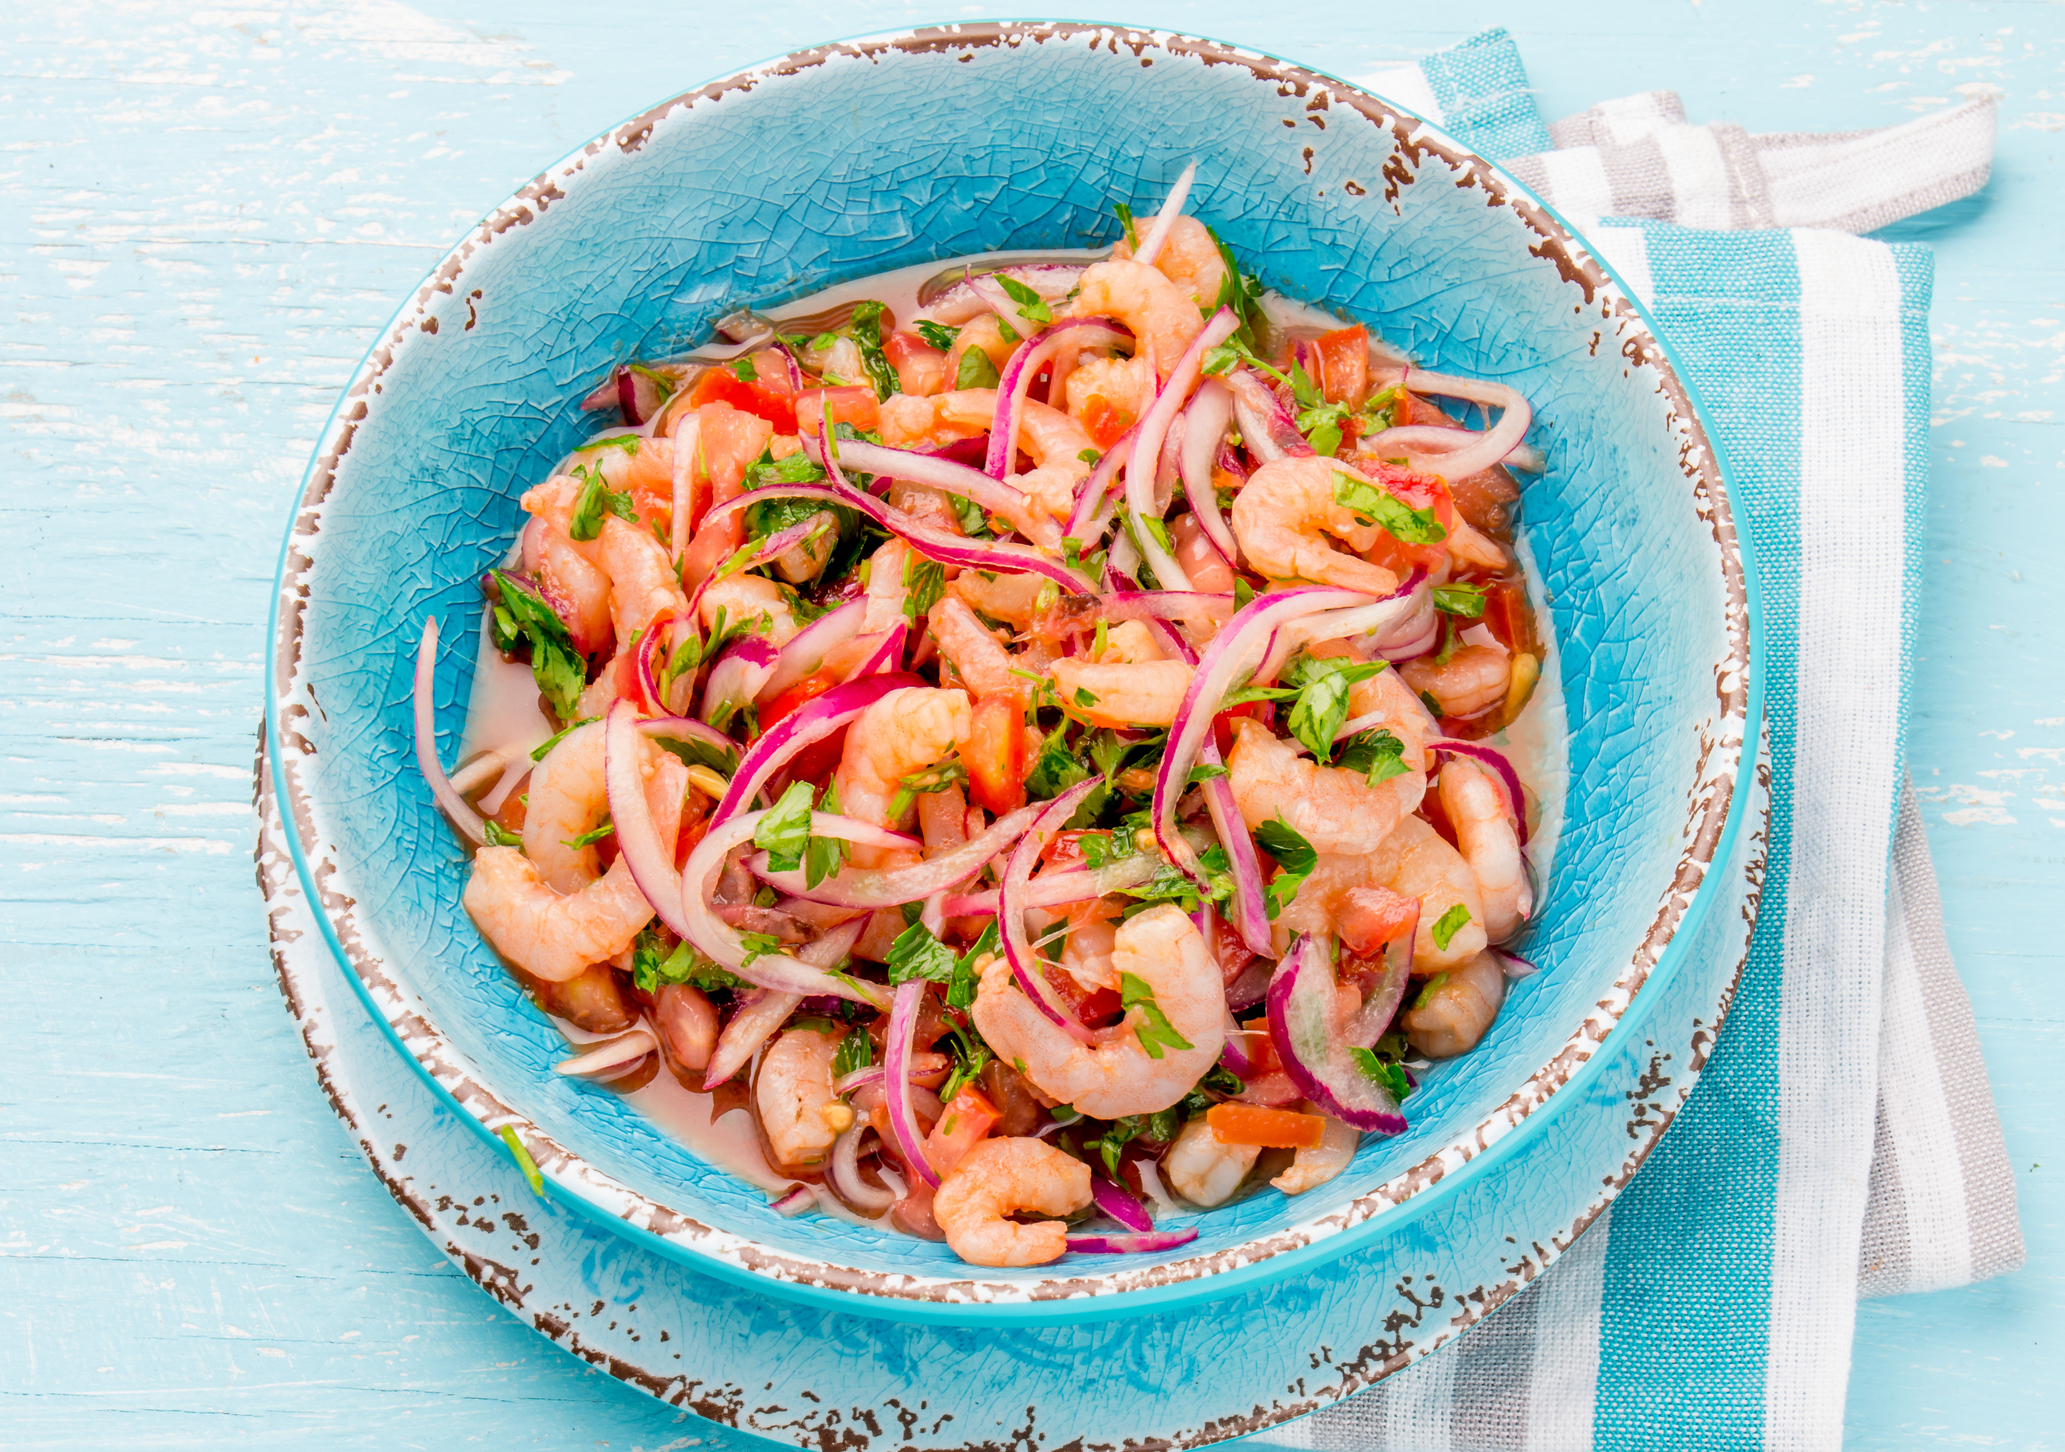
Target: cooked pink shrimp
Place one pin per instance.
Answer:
(571, 572)
(1050, 438)
(687, 1024)
(1125, 384)
(642, 582)
(1203, 1169)
(1315, 1166)
(567, 799)
(1455, 1008)
(1159, 312)
(1086, 954)
(1014, 599)
(793, 1095)
(1000, 1178)
(1282, 517)
(1468, 683)
(1116, 1077)
(983, 665)
(983, 333)
(900, 735)
(1190, 259)
(1333, 808)
(1490, 844)
(886, 588)
(646, 463)
(547, 934)
(1200, 558)
(755, 600)
(1422, 865)
(1122, 694)
(1478, 550)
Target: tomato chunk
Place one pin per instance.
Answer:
(996, 754)
(850, 405)
(963, 1124)
(721, 385)
(793, 697)
(1271, 1128)
(1105, 425)
(1344, 365)
(920, 367)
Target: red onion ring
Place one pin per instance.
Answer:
(1435, 450)
(1116, 1202)
(935, 472)
(651, 861)
(1492, 757)
(1130, 1244)
(455, 807)
(806, 651)
(894, 886)
(958, 302)
(794, 1202)
(1142, 459)
(1380, 614)
(896, 1066)
(1516, 966)
(843, 1170)
(1095, 497)
(1165, 219)
(1059, 887)
(812, 721)
(745, 667)
(1311, 1045)
(1210, 413)
(1025, 364)
(1266, 426)
(1018, 949)
(614, 1054)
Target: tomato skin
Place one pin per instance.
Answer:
(850, 405)
(996, 755)
(1344, 365)
(1509, 617)
(793, 697)
(1105, 425)
(963, 1124)
(920, 367)
(1090, 1006)
(721, 385)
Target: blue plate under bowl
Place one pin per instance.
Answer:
(868, 155)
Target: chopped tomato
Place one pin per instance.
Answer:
(721, 385)
(920, 367)
(1344, 365)
(1509, 617)
(853, 405)
(1370, 917)
(728, 439)
(1222, 724)
(996, 754)
(1271, 1128)
(806, 690)
(1105, 425)
(1261, 1048)
(1092, 1007)
(963, 1124)
(1063, 848)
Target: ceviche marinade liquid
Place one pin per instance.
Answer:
(1137, 890)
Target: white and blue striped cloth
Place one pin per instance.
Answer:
(1842, 1140)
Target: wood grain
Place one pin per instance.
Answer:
(205, 217)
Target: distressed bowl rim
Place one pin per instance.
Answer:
(1715, 817)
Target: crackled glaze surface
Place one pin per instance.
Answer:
(638, 241)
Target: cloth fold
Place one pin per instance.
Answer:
(1842, 1140)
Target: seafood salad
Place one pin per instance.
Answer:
(1026, 744)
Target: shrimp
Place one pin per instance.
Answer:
(1333, 808)
(1160, 314)
(1203, 1170)
(899, 736)
(687, 1025)
(792, 1093)
(1129, 642)
(1489, 843)
(642, 582)
(1116, 1077)
(1125, 385)
(567, 799)
(1003, 1177)
(1053, 441)
(569, 571)
(1199, 557)
(547, 934)
(1282, 518)
(983, 334)
(1315, 1166)
(1479, 551)
(983, 665)
(755, 601)
(1420, 864)
(1455, 1008)
(1190, 259)
(1122, 693)
(1013, 599)
(886, 588)
(1086, 955)
(1468, 683)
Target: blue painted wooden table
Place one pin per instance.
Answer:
(208, 214)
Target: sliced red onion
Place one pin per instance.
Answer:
(614, 1054)
(1421, 644)
(745, 667)
(650, 645)
(1059, 887)
(1115, 1201)
(1495, 760)
(896, 1067)
(1096, 497)
(1516, 966)
(651, 861)
(1230, 658)
(952, 298)
(936, 472)
(789, 358)
(798, 1199)
(1309, 1041)
(1165, 220)
(1145, 454)
(1018, 949)
(1164, 605)
(1251, 987)
(812, 721)
(688, 443)
(764, 550)
(1003, 305)
(843, 1170)
(760, 1013)
(717, 940)
(1381, 614)
(806, 651)
(463, 817)
(681, 728)
(1204, 432)
(1377, 1011)
(1266, 426)
(921, 1065)
(1235, 1055)
(884, 656)
(638, 394)
(894, 886)
(1439, 450)
(1130, 1243)
(1032, 355)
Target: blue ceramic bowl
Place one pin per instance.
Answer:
(870, 155)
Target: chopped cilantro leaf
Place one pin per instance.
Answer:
(976, 371)
(1155, 1032)
(544, 748)
(1125, 216)
(561, 673)
(590, 837)
(1386, 510)
(595, 499)
(1323, 685)
(1293, 854)
(824, 856)
(1382, 1073)
(939, 335)
(961, 987)
(1030, 304)
(1055, 769)
(856, 1051)
(1467, 600)
(654, 965)
(784, 831)
(867, 336)
(744, 370)
(917, 954)
(759, 945)
(924, 581)
(1376, 753)
(797, 468)
(499, 835)
(1448, 925)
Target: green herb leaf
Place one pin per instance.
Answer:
(939, 335)
(1466, 600)
(824, 856)
(522, 1156)
(1155, 1032)
(1055, 769)
(1121, 1133)
(1293, 854)
(917, 954)
(1204, 773)
(628, 443)
(1433, 704)
(856, 1051)
(743, 369)
(961, 987)
(1243, 593)
(759, 945)
(970, 1055)
(785, 831)
(1385, 1075)
(924, 581)
(596, 499)
(1125, 216)
(1382, 508)
(976, 371)
(1448, 925)
(1376, 753)
(1030, 303)
(1429, 989)
(544, 749)
(1092, 458)
(772, 516)
(590, 837)
(867, 336)
(925, 783)
(1323, 685)
(499, 835)
(560, 671)
(797, 468)
(654, 965)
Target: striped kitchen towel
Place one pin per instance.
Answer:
(1842, 1140)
